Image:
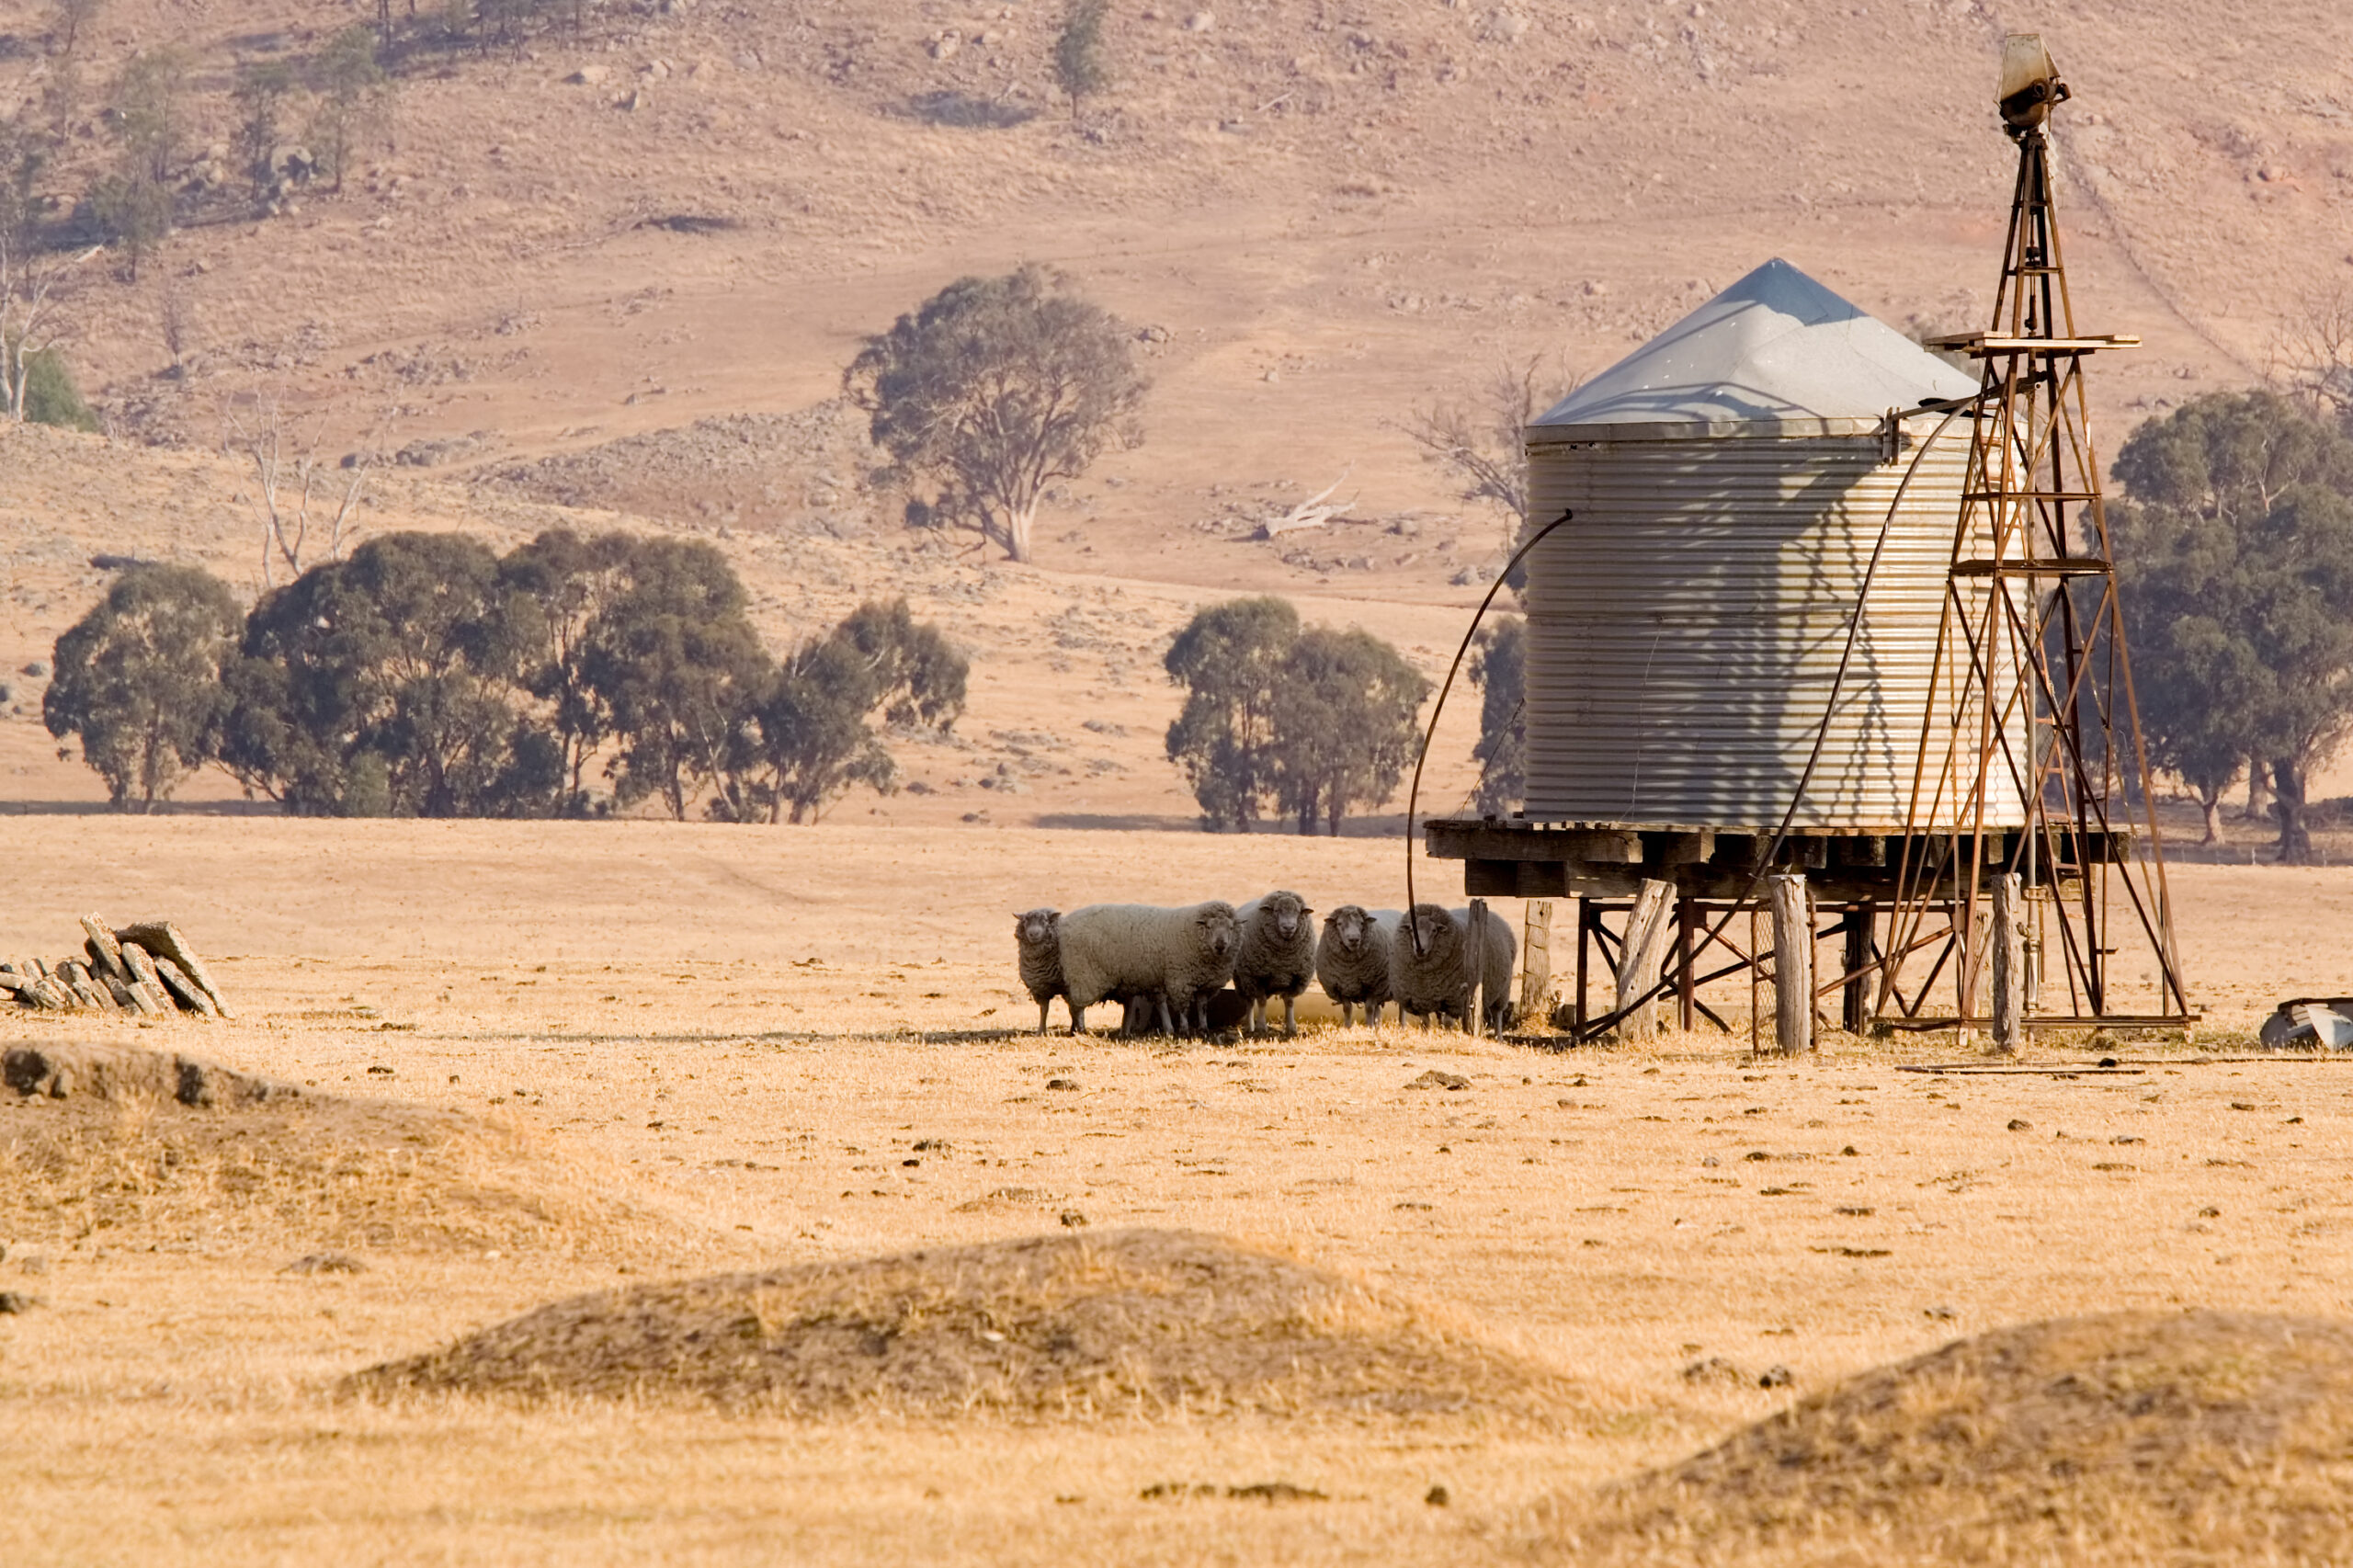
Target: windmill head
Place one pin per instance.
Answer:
(2031, 83)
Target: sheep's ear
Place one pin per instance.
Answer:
(1054, 918)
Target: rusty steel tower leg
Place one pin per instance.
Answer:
(2032, 762)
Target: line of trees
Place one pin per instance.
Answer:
(1313, 723)
(427, 675)
(2234, 551)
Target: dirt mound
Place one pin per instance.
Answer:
(101, 1139)
(1139, 1323)
(2129, 1437)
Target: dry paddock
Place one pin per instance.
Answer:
(746, 1033)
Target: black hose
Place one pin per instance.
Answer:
(1413, 795)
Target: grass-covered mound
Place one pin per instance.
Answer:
(2140, 1438)
(138, 1146)
(1130, 1324)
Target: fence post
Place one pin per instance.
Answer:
(2009, 961)
(1792, 965)
(1474, 953)
(1650, 929)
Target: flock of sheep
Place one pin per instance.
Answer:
(1164, 966)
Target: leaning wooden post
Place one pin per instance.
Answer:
(1536, 959)
(2009, 961)
(1650, 930)
(1474, 953)
(1792, 965)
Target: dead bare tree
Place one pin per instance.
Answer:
(291, 481)
(2313, 354)
(30, 322)
(1478, 438)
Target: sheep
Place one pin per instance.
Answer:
(1277, 956)
(1430, 978)
(1352, 959)
(1037, 935)
(1119, 950)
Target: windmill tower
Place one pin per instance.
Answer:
(2063, 912)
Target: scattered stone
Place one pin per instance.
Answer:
(1776, 1377)
(325, 1263)
(1275, 1492)
(1199, 22)
(591, 76)
(16, 1304)
(1008, 1198)
(1939, 1314)
(1437, 1498)
(2020, 1124)
(1715, 1369)
(1073, 1220)
(1434, 1079)
(1070, 1083)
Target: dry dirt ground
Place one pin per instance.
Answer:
(746, 1049)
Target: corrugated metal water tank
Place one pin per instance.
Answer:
(1729, 482)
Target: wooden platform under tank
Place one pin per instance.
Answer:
(1507, 857)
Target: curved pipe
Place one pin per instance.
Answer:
(1413, 795)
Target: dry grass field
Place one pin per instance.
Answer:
(586, 1056)
(660, 1193)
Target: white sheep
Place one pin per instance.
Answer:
(1352, 959)
(1276, 958)
(1119, 950)
(1037, 934)
(1431, 978)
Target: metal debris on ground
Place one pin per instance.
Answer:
(2310, 1023)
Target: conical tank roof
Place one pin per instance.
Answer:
(1777, 354)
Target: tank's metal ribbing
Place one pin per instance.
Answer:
(1685, 628)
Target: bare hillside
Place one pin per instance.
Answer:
(1331, 212)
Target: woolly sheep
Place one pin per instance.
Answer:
(1276, 958)
(1118, 950)
(1037, 933)
(1432, 979)
(1352, 959)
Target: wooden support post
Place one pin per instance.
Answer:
(1856, 1012)
(1587, 915)
(2009, 961)
(1650, 929)
(1474, 953)
(1686, 992)
(1792, 965)
(1536, 959)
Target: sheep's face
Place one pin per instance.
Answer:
(1219, 930)
(1348, 924)
(1288, 913)
(1433, 930)
(1038, 928)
